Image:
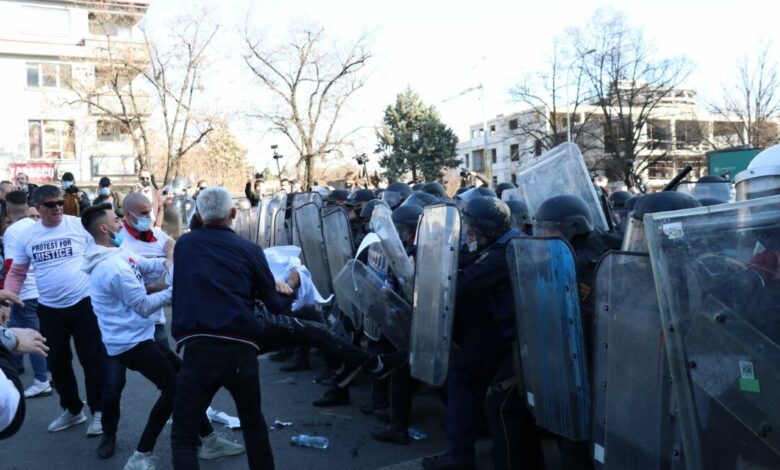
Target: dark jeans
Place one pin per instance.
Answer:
(158, 367)
(210, 364)
(161, 338)
(27, 317)
(58, 326)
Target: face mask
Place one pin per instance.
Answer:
(23, 187)
(142, 224)
(472, 246)
(116, 238)
(105, 191)
(67, 184)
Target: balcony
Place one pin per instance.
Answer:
(104, 104)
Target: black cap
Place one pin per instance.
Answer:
(104, 182)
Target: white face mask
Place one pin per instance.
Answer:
(472, 246)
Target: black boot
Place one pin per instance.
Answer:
(333, 397)
(392, 433)
(107, 446)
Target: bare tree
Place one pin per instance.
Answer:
(312, 82)
(151, 89)
(545, 126)
(628, 84)
(752, 104)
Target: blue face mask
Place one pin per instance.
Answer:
(67, 184)
(142, 224)
(117, 238)
(105, 191)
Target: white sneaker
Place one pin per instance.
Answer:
(66, 420)
(140, 461)
(38, 389)
(214, 447)
(95, 427)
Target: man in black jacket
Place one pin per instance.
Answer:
(217, 277)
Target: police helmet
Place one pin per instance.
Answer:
(762, 177)
(521, 218)
(417, 186)
(501, 187)
(362, 195)
(618, 199)
(338, 195)
(421, 199)
(437, 189)
(634, 239)
(565, 215)
(368, 209)
(406, 218)
(487, 216)
(396, 193)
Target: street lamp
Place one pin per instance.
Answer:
(362, 159)
(577, 97)
(277, 156)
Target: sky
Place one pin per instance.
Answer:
(440, 48)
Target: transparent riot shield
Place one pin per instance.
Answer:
(722, 191)
(435, 281)
(359, 289)
(337, 235)
(556, 172)
(552, 350)
(185, 208)
(392, 248)
(299, 199)
(633, 425)
(278, 213)
(511, 194)
(264, 221)
(242, 224)
(716, 273)
(313, 246)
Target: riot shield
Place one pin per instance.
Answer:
(511, 194)
(298, 200)
(242, 224)
(337, 235)
(716, 273)
(313, 246)
(392, 248)
(632, 425)
(277, 214)
(556, 172)
(722, 191)
(264, 221)
(435, 281)
(552, 350)
(185, 208)
(358, 288)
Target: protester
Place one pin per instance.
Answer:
(123, 307)
(107, 194)
(23, 184)
(217, 277)
(25, 316)
(55, 248)
(76, 200)
(147, 189)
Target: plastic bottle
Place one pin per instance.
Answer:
(417, 434)
(302, 440)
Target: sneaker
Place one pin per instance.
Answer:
(66, 420)
(140, 461)
(95, 427)
(215, 447)
(38, 389)
(107, 446)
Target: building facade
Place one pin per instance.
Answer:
(677, 133)
(51, 56)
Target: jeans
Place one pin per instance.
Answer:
(158, 367)
(58, 326)
(27, 317)
(161, 337)
(210, 364)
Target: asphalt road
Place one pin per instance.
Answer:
(286, 396)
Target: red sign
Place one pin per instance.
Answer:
(37, 172)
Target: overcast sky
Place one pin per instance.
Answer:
(437, 46)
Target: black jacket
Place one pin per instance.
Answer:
(217, 277)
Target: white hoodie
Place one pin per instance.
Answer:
(119, 297)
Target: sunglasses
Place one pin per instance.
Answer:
(53, 204)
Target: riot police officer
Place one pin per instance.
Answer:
(396, 193)
(521, 218)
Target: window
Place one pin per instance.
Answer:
(493, 156)
(512, 124)
(537, 148)
(514, 179)
(466, 160)
(691, 133)
(514, 152)
(478, 160)
(492, 128)
(495, 181)
(109, 25)
(48, 75)
(112, 131)
(52, 140)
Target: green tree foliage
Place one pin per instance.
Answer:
(413, 139)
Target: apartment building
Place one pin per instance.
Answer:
(677, 133)
(50, 53)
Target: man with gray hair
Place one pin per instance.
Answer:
(217, 277)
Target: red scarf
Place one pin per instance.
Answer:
(147, 236)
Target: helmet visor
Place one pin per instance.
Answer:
(634, 239)
(392, 198)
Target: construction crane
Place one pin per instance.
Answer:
(487, 179)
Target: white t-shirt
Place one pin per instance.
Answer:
(56, 253)
(11, 238)
(154, 249)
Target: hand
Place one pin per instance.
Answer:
(30, 341)
(284, 289)
(7, 295)
(294, 279)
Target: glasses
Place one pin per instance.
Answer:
(53, 204)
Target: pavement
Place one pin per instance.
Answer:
(286, 396)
